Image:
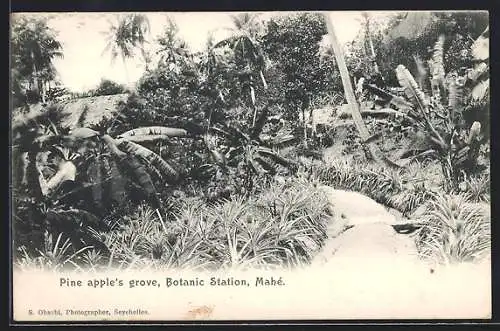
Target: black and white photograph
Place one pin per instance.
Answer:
(301, 165)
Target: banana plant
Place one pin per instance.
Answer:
(441, 115)
(245, 154)
(128, 157)
(134, 160)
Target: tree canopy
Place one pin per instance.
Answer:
(34, 46)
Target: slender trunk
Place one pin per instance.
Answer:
(304, 125)
(375, 152)
(36, 80)
(263, 79)
(42, 91)
(34, 177)
(372, 49)
(313, 122)
(252, 97)
(126, 71)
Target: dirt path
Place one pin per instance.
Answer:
(371, 271)
(362, 229)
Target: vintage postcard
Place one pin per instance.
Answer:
(186, 166)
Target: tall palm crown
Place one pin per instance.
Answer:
(172, 49)
(34, 47)
(245, 43)
(126, 35)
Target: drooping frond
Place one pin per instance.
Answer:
(149, 157)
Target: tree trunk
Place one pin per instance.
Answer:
(305, 125)
(36, 80)
(375, 152)
(372, 49)
(126, 71)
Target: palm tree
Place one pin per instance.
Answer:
(34, 46)
(248, 54)
(125, 35)
(172, 49)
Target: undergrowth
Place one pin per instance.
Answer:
(283, 227)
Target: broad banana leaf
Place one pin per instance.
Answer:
(151, 158)
(282, 140)
(480, 69)
(480, 91)
(474, 132)
(480, 49)
(274, 156)
(395, 100)
(83, 133)
(155, 130)
(148, 138)
(113, 146)
(139, 173)
(412, 91)
(66, 171)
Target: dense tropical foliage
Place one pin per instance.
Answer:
(213, 161)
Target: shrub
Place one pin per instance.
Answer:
(108, 87)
